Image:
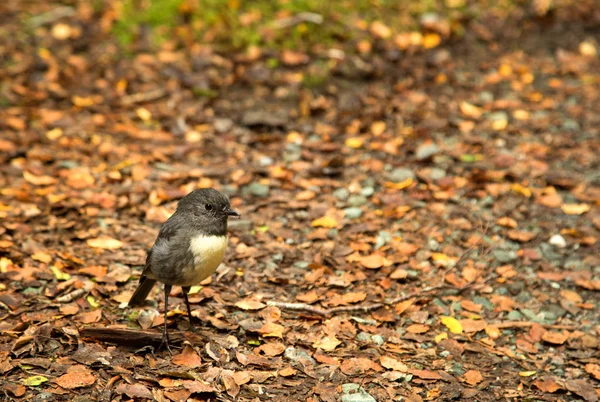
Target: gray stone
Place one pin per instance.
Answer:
(297, 354)
(400, 174)
(353, 212)
(558, 241)
(341, 193)
(353, 392)
(257, 189)
(514, 315)
(437, 174)
(497, 116)
(223, 125)
(367, 191)
(426, 151)
(505, 256)
(357, 200)
(265, 161)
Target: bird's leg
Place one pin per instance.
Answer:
(186, 290)
(165, 337)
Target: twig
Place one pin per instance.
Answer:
(143, 96)
(123, 336)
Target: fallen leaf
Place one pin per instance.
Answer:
(547, 385)
(187, 358)
(393, 364)
(507, 222)
(270, 329)
(575, 209)
(452, 324)
(42, 257)
(287, 371)
(426, 374)
(39, 180)
(417, 328)
(327, 343)
(582, 388)
(470, 110)
(373, 261)
(105, 243)
(270, 349)
(359, 365)
(77, 376)
(556, 338)
(134, 390)
(248, 304)
(571, 296)
(325, 222)
(527, 373)
(492, 331)
(473, 377)
(380, 30)
(471, 326)
(34, 381)
(593, 370)
(17, 390)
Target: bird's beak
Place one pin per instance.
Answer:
(231, 212)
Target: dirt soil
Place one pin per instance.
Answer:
(422, 225)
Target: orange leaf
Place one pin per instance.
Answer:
(557, 338)
(374, 261)
(571, 296)
(417, 328)
(547, 385)
(473, 377)
(77, 376)
(575, 209)
(393, 364)
(187, 358)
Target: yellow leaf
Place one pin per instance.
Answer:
(325, 222)
(106, 243)
(143, 113)
(517, 188)
(377, 128)
(399, 186)
(440, 337)
(527, 373)
(90, 299)
(354, 142)
(42, 257)
(431, 40)
(54, 134)
(492, 331)
(452, 324)
(82, 101)
(575, 209)
(60, 275)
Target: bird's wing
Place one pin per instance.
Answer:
(167, 231)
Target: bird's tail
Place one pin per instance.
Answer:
(140, 294)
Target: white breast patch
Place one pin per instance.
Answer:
(208, 253)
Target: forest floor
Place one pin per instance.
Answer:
(420, 217)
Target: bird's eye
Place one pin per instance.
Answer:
(208, 207)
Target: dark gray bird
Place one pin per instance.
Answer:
(188, 249)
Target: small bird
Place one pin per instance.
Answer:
(188, 249)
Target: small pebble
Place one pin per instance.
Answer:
(341, 194)
(357, 200)
(558, 241)
(400, 174)
(258, 189)
(353, 212)
(426, 151)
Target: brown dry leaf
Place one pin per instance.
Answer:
(582, 388)
(406, 249)
(575, 209)
(39, 180)
(270, 329)
(308, 297)
(551, 199)
(327, 343)
(426, 374)
(507, 222)
(471, 306)
(287, 371)
(473, 377)
(593, 370)
(270, 349)
(393, 364)
(242, 377)
(187, 358)
(105, 243)
(403, 306)
(134, 390)
(359, 365)
(89, 317)
(471, 326)
(525, 346)
(374, 261)
(571, 296)
(249, 304)
(521, 236)
(42, 257)
(77, 376)
(347, 298)
(470, 273)
(17, 390)
(547, 385)
(417, 328)
(80, 178)
(399, 273)
(232, 388)
(556, 338)
(5, 243)
(197, 387)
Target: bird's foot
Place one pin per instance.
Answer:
(165, 341)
